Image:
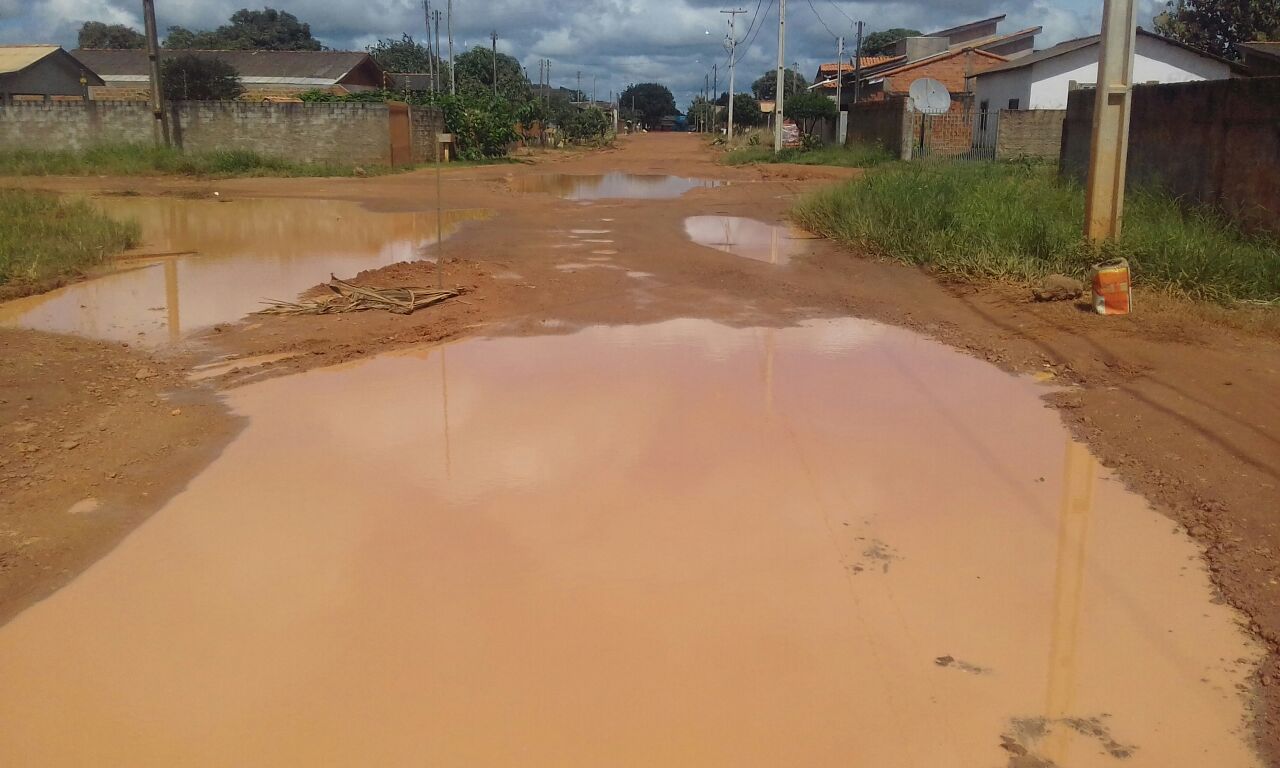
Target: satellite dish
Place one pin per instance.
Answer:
(930, 96)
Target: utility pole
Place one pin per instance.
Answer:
(161, 125)
(1108, 154)
(493, 36)
(731, 42)
(431, 58)
(778, 98)
(857, 69)
(439, 82)
(839, 84)
(706, 89)
(578, 95)
(548, 82)
(453, 81)
(715, 94)
(593, 90)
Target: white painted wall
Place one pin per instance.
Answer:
(997, 89)
(1154, 61)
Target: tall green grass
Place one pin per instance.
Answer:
(44, 240)
(146, 160)
(855, 156)
(1018, 221)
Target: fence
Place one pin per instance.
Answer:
(955, 136)
(347, 133)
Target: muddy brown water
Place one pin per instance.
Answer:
(221, 260)
(678, 544)
(615, 185)
(749, 238)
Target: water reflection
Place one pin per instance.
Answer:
(749, 238)
(228, 258)
(700, 545)
(610, 185)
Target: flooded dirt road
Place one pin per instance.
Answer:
(652, 491)
(677, 544)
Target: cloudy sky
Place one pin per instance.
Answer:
(674, 42)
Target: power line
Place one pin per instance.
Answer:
(821, 21)
(841, 12)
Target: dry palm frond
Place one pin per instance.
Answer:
(355, 298)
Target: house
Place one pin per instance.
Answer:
(950, 55)
(265, 74)
(42, 73)
(1261, 59)
(1043, 79)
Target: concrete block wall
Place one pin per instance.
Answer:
(1216, 142)
(425, 124)
(886, 122)
(325, 132)
(1033, 133)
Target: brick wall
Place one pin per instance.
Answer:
(887, 123)
(1216, 142)
(338, 133)
(425, 124)
(1029, 133)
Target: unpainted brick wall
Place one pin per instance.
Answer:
(425, 125)
(1029, 133)
(323, 132)
(1216, 142)
(886, 123)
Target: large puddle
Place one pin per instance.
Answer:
(670, 545)
(222, 260)
(749, 238)
(610, 185)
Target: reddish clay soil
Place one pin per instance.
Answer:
(1180, 400)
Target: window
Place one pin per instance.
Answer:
(1013, 103)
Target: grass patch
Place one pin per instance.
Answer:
(855, 156)
(1018, 221)
(149, 160)
(44, 240)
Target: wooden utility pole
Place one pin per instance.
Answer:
(161, 124)
(493, 36)
(1108, 153)
(778, 85)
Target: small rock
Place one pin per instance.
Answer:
(70, 445)
(145, 373)
(176, 412)
(1058, 288)
(944, 661)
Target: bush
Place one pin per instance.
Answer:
(1018, 221)
(188, 77)
(44, 239)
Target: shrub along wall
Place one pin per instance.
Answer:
(340, 133)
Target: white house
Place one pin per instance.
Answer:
(1043, 79)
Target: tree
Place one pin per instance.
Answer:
(701, 113)
(265, 30)
(807, 109)
(746, 111)
(403, 55)
(882, 43)
(1217, 26)
(188, 77)
(653, 101)
(474, 71)
(766, 86)
(95, 34)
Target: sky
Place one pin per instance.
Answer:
(611, 42)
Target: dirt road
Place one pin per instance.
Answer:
(1182, 410)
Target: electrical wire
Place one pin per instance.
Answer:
(821, 21)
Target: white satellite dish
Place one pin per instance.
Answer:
(930, 96)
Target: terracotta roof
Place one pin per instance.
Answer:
(847, 66)
(936, 58)
(310, 67)
(15, 58)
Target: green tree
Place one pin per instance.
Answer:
(701, 113)
(1217, 26)
(475, 68)
(766, 86)
(746, 111)
(403, 55)
(807, 109)
(265, 30)
(95, 34)
(188, 77)
(882, 43)
(652, 101)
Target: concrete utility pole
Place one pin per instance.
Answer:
(857, 69)
(1108, 154)
(731, 42)
(493, 36)
(715, 94)
(593, 90)
(548, 82)
(778, 99)
(578, 94)
(839, 83)
(453, 81)
(161, 124)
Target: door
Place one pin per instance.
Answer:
(398, 123)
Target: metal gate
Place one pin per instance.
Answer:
(955, 136)
(398, 125)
